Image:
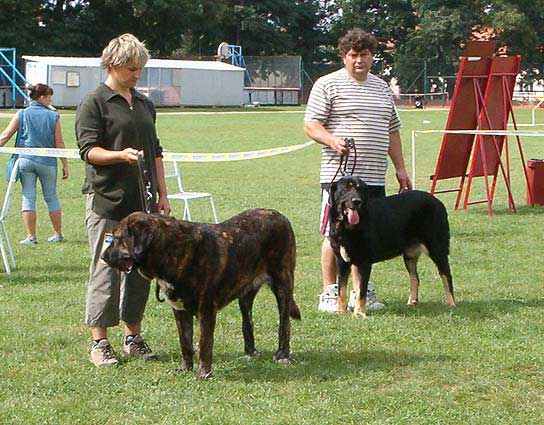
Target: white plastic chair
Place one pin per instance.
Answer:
(171, 171)
(5, 246)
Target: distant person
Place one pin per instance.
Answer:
(113, 124)
(38, 126)
(353, 103)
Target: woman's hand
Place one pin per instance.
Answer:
(129, 155)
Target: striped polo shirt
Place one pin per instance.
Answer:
(364, 111)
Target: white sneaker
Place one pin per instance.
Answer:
(372, 302)
(333, 289)
(328, 302)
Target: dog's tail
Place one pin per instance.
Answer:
(294, 311)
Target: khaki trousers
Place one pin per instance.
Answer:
(111, 295)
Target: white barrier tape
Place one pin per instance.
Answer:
(51, 152)
(232, 156)
(507, 133)
(168, 156)
(483, 132)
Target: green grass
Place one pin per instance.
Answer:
(480, 363)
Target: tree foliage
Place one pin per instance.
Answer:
(413, 33)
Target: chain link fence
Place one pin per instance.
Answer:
(273, 80)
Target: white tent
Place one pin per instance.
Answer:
(166, 82)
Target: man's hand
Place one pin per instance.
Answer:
(339, 144)
(316, 131)
(405, 183)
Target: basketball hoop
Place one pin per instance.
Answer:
(223, 51)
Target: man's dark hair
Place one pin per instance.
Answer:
(358, 40)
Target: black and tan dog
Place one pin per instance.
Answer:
(366, 231)
(203, 267)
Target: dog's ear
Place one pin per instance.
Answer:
(334, 214)
(332, 191)
(140, 236)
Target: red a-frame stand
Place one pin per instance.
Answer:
(482, 100)
(456, 148)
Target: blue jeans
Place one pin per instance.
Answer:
(31, 171)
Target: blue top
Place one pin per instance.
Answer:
(38, 131)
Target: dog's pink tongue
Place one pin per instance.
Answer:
(353, 216)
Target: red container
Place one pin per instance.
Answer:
(535, 173)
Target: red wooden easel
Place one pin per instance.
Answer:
(482, 100)
(455, 150)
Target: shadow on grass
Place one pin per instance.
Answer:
(32, 275)
(319, 365)
(478, 309)
(503, 210)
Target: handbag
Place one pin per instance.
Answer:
(15, 156)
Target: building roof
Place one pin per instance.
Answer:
(152, 63)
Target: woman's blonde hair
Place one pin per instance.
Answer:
(124, 50)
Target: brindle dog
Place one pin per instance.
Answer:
(365, 231)
(203, 267)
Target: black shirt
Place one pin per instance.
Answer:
(105, 119)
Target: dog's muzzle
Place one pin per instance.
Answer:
(351, 212)
(128, 266)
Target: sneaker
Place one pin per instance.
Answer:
(102, 354)
(333, 289)
(328, 302)
(137, 347)
(55, 239)
(372, 302)
(30, 240)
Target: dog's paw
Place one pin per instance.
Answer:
(359, 315)
(185, 366)
(286, 361)
(412, 302)
(282, 357)
(253, 354)
(204, 373)
(342, 310)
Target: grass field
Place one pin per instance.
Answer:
(480, 363)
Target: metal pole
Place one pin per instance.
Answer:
(424, 78)
(413, 159)
(13, 78)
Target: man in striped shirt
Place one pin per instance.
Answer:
(353, 103)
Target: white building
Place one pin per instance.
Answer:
(166, 82)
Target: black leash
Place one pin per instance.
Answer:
(148, 200)
(342, 167)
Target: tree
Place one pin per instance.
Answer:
(413, 33)
(436, 42)
(19, 23)
(389, 21)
